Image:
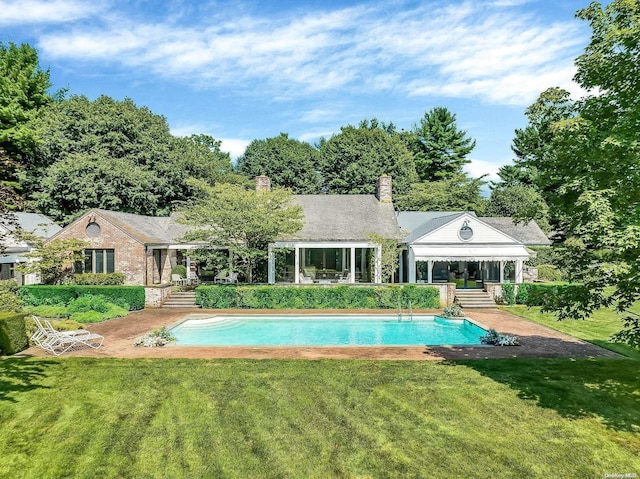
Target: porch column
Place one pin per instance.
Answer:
(353, 265)
(400, 268)
(412, 266)
(296, 276)
(430, 271)
(501, 272)
(188, 266)
(378, 265)
(271, 265)
(519, 271)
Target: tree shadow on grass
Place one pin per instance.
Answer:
(608, 389)
(21, 374)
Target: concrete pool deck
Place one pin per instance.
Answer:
(537, 341)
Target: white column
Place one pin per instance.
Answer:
(272, 265)
(353, 265)
(501, 272)
(430, 271)
(344, 259)
(188, 266)
(378, 265)
(400, 268)
(363, 263)
(412, 266)
(296, 277)
(519, 271)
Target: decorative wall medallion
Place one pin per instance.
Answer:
(93, 229)
(465, 233)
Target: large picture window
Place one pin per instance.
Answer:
(99, 261)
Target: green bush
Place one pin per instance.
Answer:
(92, 316)
(48, 311)
(317, 297)
(179, 269)
(549, 272)
(550, 294)
(523, 293)
(88, 302)
(99, 279)
(13, 335)
(38, 295)
(508, 293)
(9, 299)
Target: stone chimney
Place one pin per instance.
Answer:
(263, 183)
(383, 192)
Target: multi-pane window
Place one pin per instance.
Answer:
(98, 261)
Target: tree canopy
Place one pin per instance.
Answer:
(440, 149)
(519, 202)
(289, 163)
(591, 179)
(459, 193)
(243, 221)
(354, 159)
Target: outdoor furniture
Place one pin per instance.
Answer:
(59, 342)
(178, 280)
(345, 278)
(193, 278)
(225, 278)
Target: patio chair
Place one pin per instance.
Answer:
(232, 278)
(193, 278)
(178, 280)
(59, 342)
(346, 278)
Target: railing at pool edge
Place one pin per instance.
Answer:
(400, 310)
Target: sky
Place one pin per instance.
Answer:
(245, 70)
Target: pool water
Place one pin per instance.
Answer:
(325, 330)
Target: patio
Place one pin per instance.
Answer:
(536, 341)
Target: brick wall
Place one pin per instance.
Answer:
(129, 254)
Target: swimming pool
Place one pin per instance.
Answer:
(326, 330)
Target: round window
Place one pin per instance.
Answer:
(93, 229)
(465, 233)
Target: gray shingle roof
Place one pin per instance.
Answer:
(40, 225)
(345, 218)
(147, 229)
(529, 234)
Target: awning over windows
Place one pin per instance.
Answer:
(12, 258)
(470, 253)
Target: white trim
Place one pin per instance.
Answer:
(470, 253)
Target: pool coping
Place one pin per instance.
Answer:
(537, 341)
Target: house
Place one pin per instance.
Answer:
(143, 248)
(37, 224)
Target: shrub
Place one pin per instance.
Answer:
(549, 272)
(523, 293)
(88, 302)
(99, 279)
(9, 299)
(156, 338)
(317, 297)
(179, 269)
(547, 295)
(497, 339)
(112, 311)
(48, 311)
(13, 335)
(453, 311)
(38, 295)
(508, 293)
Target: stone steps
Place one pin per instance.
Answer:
(181, 299)
(474, 298)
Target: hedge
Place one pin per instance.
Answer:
(550, 294)
(317, 297)
(99, 279)
(13, 334)
(38, 295)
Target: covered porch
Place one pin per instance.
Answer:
(466, 266)
(324, 262)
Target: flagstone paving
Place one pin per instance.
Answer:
(536, 340)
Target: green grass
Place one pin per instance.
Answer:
(597, 329)
(108, 418)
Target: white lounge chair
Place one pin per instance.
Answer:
(59, 342)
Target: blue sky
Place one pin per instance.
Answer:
(249, 70)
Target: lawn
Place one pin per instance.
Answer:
(597, 329)
(82, 417)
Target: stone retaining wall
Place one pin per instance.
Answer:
(155, 296)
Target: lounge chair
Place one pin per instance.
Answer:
(345, 278)
(59, 342)
(225, 278)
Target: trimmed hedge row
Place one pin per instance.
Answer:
(38, 295)
(99, 279)
(315, 297)
(535, 294)
(13, 333)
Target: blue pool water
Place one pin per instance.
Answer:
(323, 330)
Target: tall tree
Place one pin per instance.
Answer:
(23, 93)
(439, 148)
(354, 159)
(519, 202)
(115, 155)
(244, 221)
(288, 162)
(592, 179)
(459, 193)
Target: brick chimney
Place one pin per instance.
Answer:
(263, 183)
(383, 192)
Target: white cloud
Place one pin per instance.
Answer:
(18, 12)
(477, 168)
(234, 146)
(459, 50)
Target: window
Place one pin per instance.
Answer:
(97, 261)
